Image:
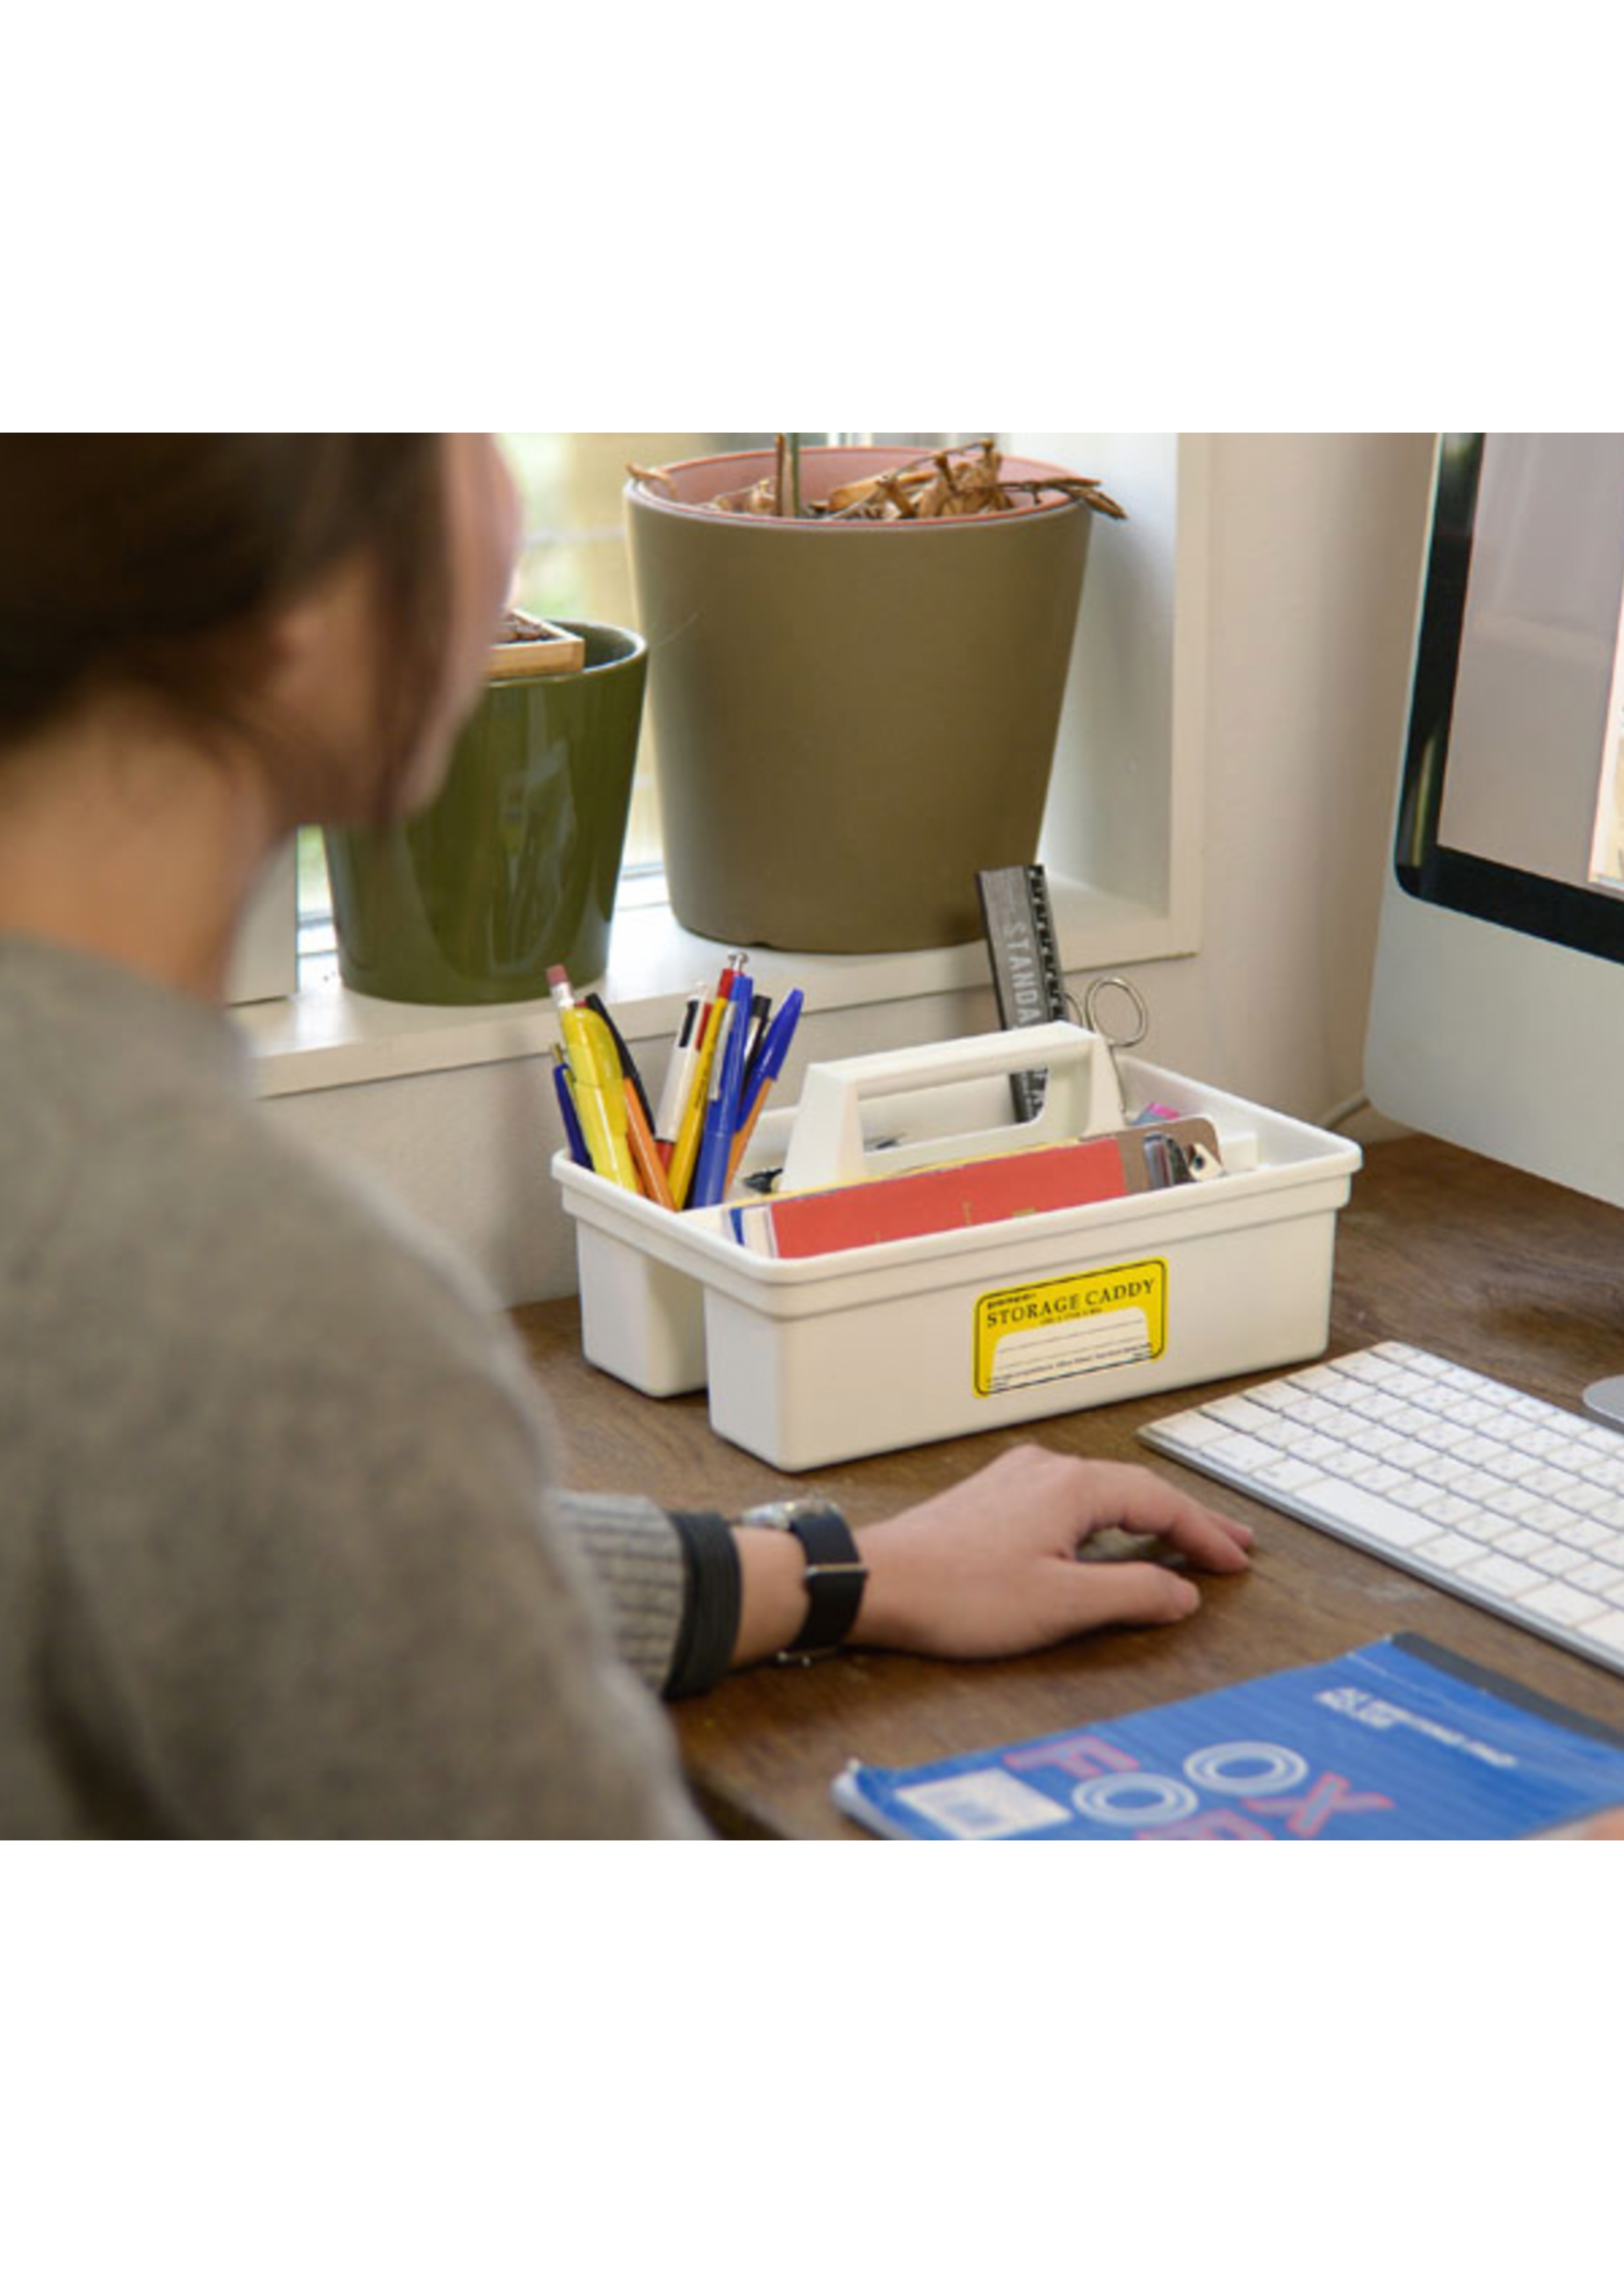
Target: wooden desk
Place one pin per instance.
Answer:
(1477, 1262)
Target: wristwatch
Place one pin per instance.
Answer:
(834, 1572)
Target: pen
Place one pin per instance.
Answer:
(680, 1073)
(679, 1173)
(598, 1088)
(769, 1065)
(685, 1058)
(566, 1111)
(761, 1012)
(711, 1176)
(774, 1047)
(645, 1152)
(628, 1064)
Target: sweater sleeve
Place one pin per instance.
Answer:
(637, 1560)
(332, 1597)
(672, 1582)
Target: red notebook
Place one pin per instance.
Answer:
(1033, 1182)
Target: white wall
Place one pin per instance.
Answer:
(1314, 553)
(1316, 547)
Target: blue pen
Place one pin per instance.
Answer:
(567, 1114)
(722, 1115)
(765, 1067)
(774, 1050)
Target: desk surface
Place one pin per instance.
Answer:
(1487, 1266)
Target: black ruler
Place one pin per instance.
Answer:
(1027, 979)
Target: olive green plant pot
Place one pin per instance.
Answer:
(850, 718)
(515, 864)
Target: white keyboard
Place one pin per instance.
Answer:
(1501, 1498)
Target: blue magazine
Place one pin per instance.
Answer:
(1398, 1741)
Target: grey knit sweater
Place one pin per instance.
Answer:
(280, 1547)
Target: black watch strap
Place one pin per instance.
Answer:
(835, 1580)
(836, 1573)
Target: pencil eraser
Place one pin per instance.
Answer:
(556, 975)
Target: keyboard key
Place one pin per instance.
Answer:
(1365, 1365)
(1282, 1397)
(1522, 1545)
(1548, 1518)
(1499, 1575)
(1287, 1476)
(1564, 1603)
(1422, 1361)
(1198, 1431)
(1512, 1501)
(1415, 1493)
(1335, 1497)
(1448, 1551)
(1594, 1578)
(1551, 1557)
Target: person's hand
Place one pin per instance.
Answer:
(990, 1567)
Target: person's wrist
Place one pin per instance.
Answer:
(887, 1618)
(772, 1568)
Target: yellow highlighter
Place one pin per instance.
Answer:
(599, 1087)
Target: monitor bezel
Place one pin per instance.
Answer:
(1543, 907)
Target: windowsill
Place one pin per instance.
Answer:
(327, 1038)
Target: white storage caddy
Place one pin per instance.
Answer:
(823, 1358)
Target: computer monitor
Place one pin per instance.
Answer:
(1497, 1012)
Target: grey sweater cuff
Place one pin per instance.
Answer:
(714, 1601)
(671, 1583)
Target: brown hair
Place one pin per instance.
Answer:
(152, 561)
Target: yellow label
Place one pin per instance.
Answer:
(1027, 1335)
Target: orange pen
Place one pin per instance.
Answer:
(644, 1151)
(741, 1143)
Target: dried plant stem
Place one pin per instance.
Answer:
(787, 477)
(909, 466)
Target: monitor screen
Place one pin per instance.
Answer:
(1498, 1015)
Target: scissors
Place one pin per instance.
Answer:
(1089, 1017)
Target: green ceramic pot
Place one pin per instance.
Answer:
(850, 720)
(514, 866)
